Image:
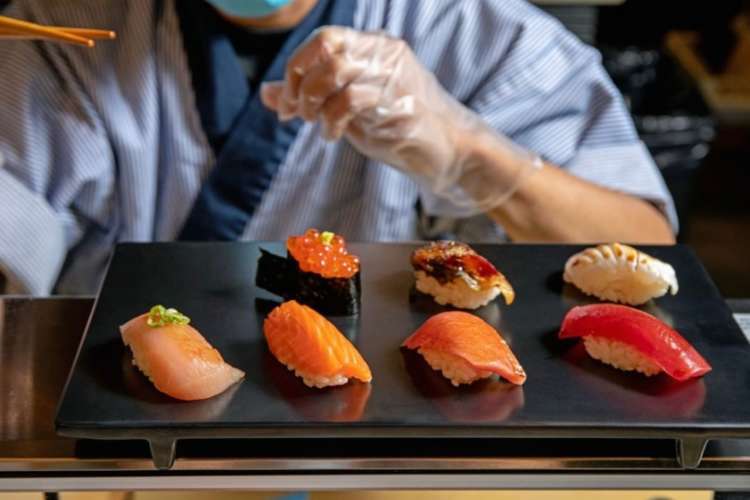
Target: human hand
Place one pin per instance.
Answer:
(370, 88)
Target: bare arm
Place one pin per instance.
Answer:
(551, 205)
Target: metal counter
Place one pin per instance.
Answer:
(38, 341)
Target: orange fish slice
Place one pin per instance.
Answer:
(465, 349)
(312, 347)
(178, 360)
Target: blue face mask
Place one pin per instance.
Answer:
(248, 8)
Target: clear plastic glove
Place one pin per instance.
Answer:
(370, 88)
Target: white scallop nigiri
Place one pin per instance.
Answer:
(620, 273)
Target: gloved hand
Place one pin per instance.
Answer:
(371, 88)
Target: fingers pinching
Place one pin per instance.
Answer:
(270, 94)
(340, 109)
(324, 81)
(321, 45)
(314, 88)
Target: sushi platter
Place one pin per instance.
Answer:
(521, 359)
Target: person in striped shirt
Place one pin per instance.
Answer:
(255, 119)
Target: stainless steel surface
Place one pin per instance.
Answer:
(387, 481)
(38, 340)
(741, 310)
(743, 319)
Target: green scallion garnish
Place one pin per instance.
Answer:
(161, 316)
(326, 237)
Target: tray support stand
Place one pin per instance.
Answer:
(690, 451)
(162, 452)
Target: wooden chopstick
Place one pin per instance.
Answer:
(88, 32)
(16, 36)
(82, 32)
(27, 28)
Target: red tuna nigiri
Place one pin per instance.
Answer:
(465, 349)
(630, 339)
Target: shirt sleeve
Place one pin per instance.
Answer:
(56, 172)
(551, 95)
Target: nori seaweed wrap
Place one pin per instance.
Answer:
(337, 295)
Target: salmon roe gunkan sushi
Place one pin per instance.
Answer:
(323, 253)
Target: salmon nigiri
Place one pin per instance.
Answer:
(176, 357)
(312, 347)
(465, 349)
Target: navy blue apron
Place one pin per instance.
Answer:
(249, 141)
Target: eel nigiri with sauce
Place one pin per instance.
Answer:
(453, 273)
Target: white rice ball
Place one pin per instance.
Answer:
(454, 368)
(318, 381)
(620, 355)
(456, 293)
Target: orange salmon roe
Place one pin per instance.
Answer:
(322, 253)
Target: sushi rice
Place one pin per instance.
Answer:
(456, 292)
(454, 368)
(619, 355)
(319, 381)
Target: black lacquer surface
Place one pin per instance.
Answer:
(567, 393)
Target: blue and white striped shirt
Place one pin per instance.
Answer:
(106, 145)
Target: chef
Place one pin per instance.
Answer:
(255, 119)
